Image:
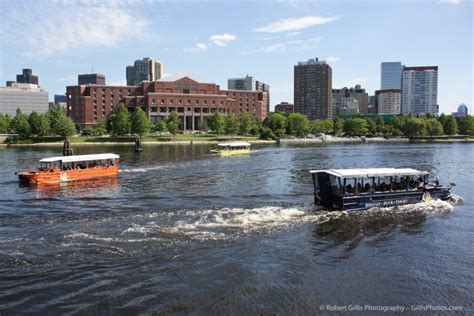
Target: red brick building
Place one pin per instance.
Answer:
(191, 100)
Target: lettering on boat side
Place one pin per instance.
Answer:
(386, 203)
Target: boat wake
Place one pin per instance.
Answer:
(140, 169)
(232, 223)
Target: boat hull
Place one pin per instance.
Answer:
(366, 201)
(57, 176)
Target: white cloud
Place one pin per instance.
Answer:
(293, 24)
(73, 25)
(332, 59)
(222, 39)
(198, 48)
(286, 46)
(451, 1)
(293, 33)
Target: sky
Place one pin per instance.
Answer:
(217, 40)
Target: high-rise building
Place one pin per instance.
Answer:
(357, 93)
(420, 90)
(284, 108)
(391, 77)
(249, 83)
(91, 79)
(146, 69)
(388, 101)
(313, 89)
(27, 77)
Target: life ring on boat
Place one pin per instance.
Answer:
(426, 197)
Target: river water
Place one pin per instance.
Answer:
(181, 231)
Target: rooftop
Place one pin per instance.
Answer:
(371, 172)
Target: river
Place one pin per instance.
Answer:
(181, 231)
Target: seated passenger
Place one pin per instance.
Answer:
(349, 189)
(367, 188)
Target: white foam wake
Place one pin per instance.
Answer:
(140, 169)
(228, 223)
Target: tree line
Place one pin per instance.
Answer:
(121, 122)
(279, 125)
(53, 122)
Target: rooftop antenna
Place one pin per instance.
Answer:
(92, 69)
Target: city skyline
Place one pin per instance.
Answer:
(269, 40)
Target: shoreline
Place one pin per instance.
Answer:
(319, 140)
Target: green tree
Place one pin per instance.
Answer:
(317, 127)
(338, 125)
(216, 123)
(255, 130)
(120, 123)
(21, 125)
(55, 116)
(100, 127)
(44, 127)
(161, 126)
(442, 118)
(433, 127)
(450, 126)
(466, 125)
(172, 123)
(356, 127)
(397, 124)
(372, 127)
(231, 125)
(65, 126)
(266, 133)
(276, 122)
(298, 124)
(246, 123)
(4, 123)
(35, 121)
(140, 124)
(414, 127)
(379, 124)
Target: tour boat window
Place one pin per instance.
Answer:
(335, 185)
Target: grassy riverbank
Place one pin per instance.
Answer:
(214, 138)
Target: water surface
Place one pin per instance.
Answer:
(182, 231)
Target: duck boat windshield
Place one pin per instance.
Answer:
(355, 189)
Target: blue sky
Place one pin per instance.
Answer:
(217, 40)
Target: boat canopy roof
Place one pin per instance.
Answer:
(81, 158)
(234, 144)
(371, 172)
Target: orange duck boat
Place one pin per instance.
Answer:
(72, 168)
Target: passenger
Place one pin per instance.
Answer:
(367, 188)
(349, 189)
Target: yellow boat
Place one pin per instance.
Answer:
(232, 148)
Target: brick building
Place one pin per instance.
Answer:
(193, 101)
(284, 108)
